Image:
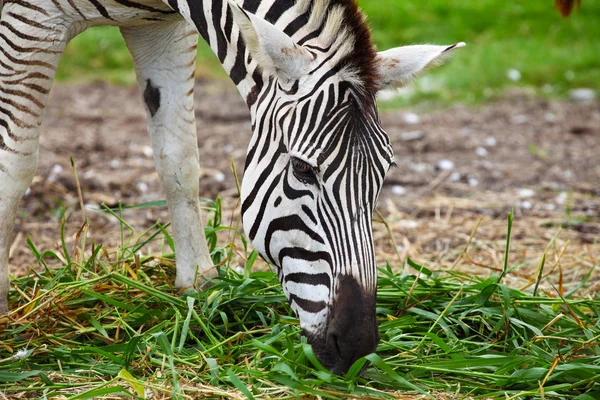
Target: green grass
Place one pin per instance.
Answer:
(528, 36)
(109, 324)
(100, 54)
(552, 53)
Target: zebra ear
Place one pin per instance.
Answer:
(270, 47)
(399, 66)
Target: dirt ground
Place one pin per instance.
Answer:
(455, 166)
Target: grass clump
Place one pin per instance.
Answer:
(109, 324)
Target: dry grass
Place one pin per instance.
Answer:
(460, 319)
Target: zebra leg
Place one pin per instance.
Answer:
(32, 43)
(164, 55)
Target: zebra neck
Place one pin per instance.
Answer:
(214, 21)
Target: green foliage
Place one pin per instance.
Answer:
(551, 53)
(110, 324)
(528, 36)
(100, 54)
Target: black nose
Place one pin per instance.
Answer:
(352, 331)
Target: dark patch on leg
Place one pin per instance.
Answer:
(152, 98)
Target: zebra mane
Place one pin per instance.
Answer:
(340, 29)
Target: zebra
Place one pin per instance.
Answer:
(565, 7)
(317, 156)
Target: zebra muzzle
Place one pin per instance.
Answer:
(352, 330)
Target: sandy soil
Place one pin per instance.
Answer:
(538, 157)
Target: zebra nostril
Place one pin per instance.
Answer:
(334, 344)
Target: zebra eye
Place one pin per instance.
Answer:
(300, 166)
(303, 170)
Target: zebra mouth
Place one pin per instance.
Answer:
(351, 331)
(336, 354)
(328, 359)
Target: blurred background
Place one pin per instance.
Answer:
(509, 44)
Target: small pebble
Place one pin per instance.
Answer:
(561, 198)
(455, 177)
(473, 182)
(514, 74)
(142, 187)
(420, 167)
(411, 118)
(519, 119)
(147, 150)
(490, 142)
(481, 152)
(408, 224)
(524, 193)
(228, 148)
(28, 192)
(411, 136)
(56, 170)
(398, 190)
(220, 177)
(115, 163)
(582, 95)
(550, 117)
(445, 165)
(487, 164)
(526, 205)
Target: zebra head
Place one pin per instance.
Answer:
(315, 166)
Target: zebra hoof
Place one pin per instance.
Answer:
(203, 281)
(206, 279)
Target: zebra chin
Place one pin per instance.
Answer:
(351, 331)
